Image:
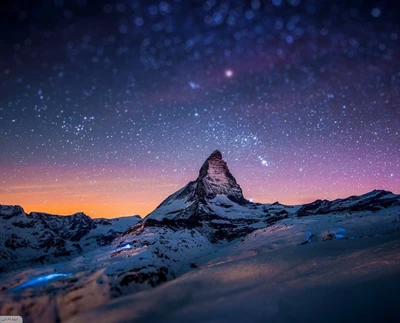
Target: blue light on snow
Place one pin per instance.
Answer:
(339, 236)
(127, 246)
(40, 280)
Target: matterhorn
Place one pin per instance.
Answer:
(206, 254)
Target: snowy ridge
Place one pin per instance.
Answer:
(372, 201)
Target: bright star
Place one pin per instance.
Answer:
(229, 73)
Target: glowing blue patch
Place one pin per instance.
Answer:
(339, 236)
(127, 246)
(40, 280)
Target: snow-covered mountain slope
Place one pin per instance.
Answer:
(214, 205)
(203, 236)
(214, 183)
(28, 239)
(304, 253)
(132, 263)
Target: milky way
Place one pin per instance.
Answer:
(107, 107)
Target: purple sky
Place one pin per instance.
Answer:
(111, 106)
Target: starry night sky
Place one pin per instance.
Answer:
(108, 107)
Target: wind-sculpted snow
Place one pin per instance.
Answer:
(335, 281)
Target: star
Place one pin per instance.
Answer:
(228, 73)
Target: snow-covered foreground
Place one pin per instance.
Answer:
(334, 281)
(319, 267)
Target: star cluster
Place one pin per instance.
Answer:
(107, 107)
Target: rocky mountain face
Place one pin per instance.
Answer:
(216, 179)
(40, 237)
(214, 205)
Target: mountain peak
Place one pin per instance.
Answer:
(9, 211)
(215, 155)
(214, 179)
(214, 184)
(214, 166)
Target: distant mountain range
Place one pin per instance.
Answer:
(28, 239)
(117, 257)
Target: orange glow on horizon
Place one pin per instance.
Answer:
(96, 193)
(111, 193)
(115, 205)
